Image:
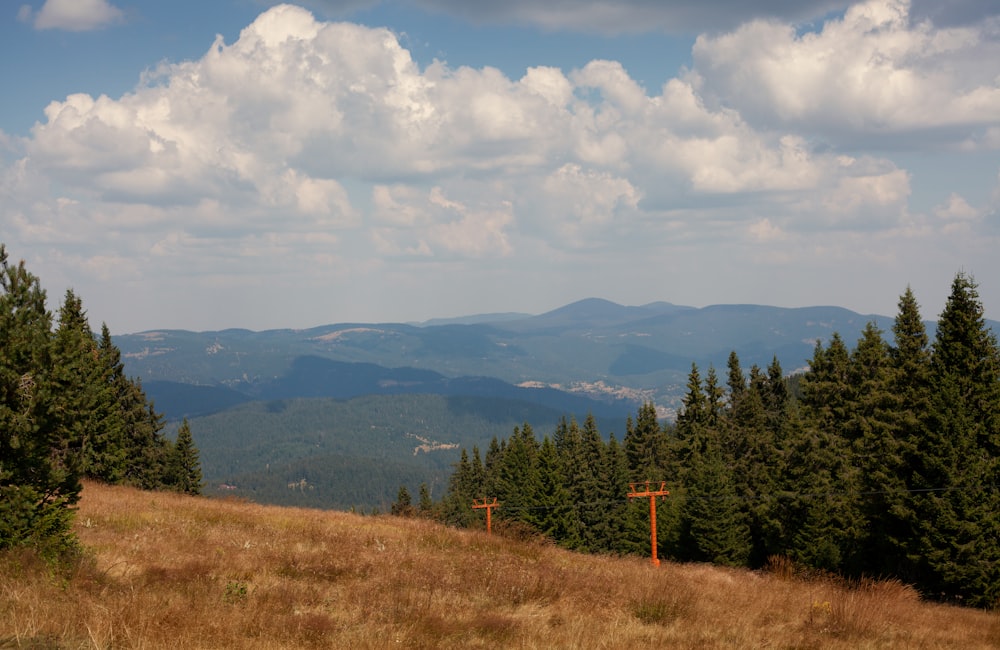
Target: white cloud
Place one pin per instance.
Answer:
(957, 209)
(430, 224)
(76, 15)
(872, 73)
(320, 156)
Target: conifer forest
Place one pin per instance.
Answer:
(67, 412)
(880, 461)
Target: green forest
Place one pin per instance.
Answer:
(880, 461)
(68, 412)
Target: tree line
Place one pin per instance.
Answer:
(881, 460)
(67, 412)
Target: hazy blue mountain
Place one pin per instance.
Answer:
(342, 414)
(594, 346)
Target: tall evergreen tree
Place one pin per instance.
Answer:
(577, 474)
(872, 437)
(39, 480)
(425, 504)
(88, 408)
(403, 505)
(185, 468)
(462, 489)
(823, 517)
(553, 512)
(736, 381)
(714, 525)
(621, 534)
(894, 533)
(957, 548)
(645, 445)
(592, 501)
(517, 479)
(749, 446)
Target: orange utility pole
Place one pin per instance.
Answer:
(652, 494)
(478, 504)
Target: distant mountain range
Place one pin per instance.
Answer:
(593, 348)
(354, 409)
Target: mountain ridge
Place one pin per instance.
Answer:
(646, 349)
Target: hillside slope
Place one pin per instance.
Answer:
(166, 570)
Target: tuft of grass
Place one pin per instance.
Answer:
(166, 570)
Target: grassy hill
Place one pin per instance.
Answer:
(168, 571)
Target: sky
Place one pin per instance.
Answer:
(243, 163)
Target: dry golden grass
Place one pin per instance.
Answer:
(166, 570)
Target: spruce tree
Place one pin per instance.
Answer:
(748, 444)
(553, 512)
(425, 504)
(714, 525)
(824, 522)
(645, 445)
(873, 439)
(88, 408)
(894, 535)
(736, 382)
(592, 501)
(39, 471)
(620, 534)
(517, 479)
(185, 468)
(403, 506)
(957, 549)
(462, 489)
(577, 475)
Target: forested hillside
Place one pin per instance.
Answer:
(67, 411)
(885, 464)
(354, 453)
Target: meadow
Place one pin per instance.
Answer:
(167, 570)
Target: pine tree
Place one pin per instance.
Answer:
(39, 480)
(873, 438)
(736, 381)
(645, 445)
(185, 468)
(620, 533)
(91, 420)
(591, 501)
(553, 513)
(824, 522)
(462, 489)
(517, 480)
(957, 545)
(821, 520)
(425, 504)
(403, 506)
(749, 446)
(714, 525)
(894, 534)
(577, 475)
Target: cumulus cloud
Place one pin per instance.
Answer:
(272, 127)
(75, 15)
(872, 73)
(322, 151)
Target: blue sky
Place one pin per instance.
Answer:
(246, 164)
